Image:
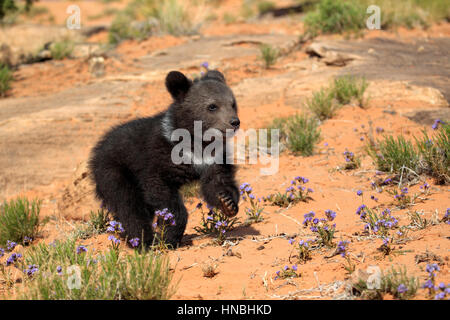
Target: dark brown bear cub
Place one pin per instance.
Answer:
(132, 164)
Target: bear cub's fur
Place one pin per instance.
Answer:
(132, 167)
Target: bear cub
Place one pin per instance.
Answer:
(132, 167)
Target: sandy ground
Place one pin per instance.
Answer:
(248, 260)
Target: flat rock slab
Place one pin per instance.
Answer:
(424, 62)
(213, 50)
(44, 138)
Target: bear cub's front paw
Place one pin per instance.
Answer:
(229, 207)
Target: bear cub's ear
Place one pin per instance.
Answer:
(214, 75)
(178, 85)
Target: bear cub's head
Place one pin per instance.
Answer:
(207, 99)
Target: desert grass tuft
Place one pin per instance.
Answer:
(300, 133)
(19, 218)
(265, 6)
(141, 18)
(323, 104)
(99, 220)
(67, 273)
(269, 55)
(392, 154)
(348, 88)
(435, 153)
(62, 49)
(396, 282)
(335, 16)
(5, 79)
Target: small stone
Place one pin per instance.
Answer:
(97, 66)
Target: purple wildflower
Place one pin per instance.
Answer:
(331, 215)
(27, 240)
(59, 270)
(81, 249)
(342, 248)
(31, 270)
(13, 258)
(428, 284)
(115, 226)
(402, 288)
(440, 296)
(436, 123)
(10, 245)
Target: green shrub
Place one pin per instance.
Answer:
(298, 133)
(338, 16)
(435, 153)
(391, 155)
(335, 16)
(302, 134)
(347, 88)
(394, 278)
(11, 9)
(19, 218)
(265, 6)
(98, 221)
(143, 17)
(120, 28)
(247, 9)
(174, 19)
(277, 123)
(142, 275)
(62, 49)
(322, 104)
(229, 18)
(5, 80)
(411, 13)
(268, 54)
(430, 155)
(7, 6)
(390, 282)
(325, 102)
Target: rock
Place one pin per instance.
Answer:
(316, 49)
(90, 31)
(97, 66)
(44, 55)
(333, 58)
(86, 50)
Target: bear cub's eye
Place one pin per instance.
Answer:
(212, 107)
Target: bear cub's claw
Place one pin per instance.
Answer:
(229, 207)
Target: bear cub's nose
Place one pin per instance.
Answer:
(235, 122)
